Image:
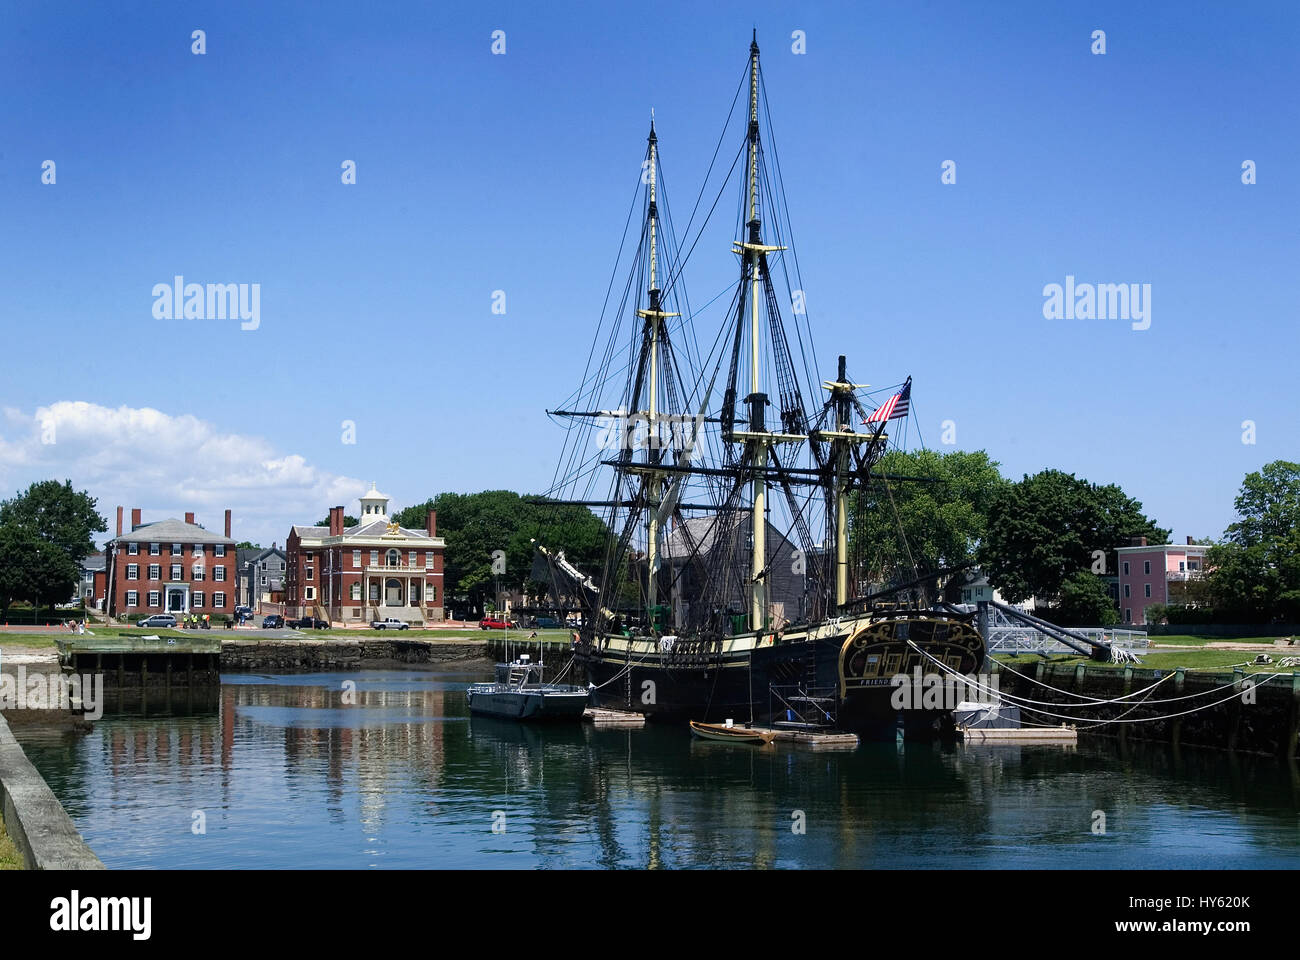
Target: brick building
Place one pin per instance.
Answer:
(370, 571)
(170, 566)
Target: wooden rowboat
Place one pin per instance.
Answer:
(721, 732)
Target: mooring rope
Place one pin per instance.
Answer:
(1119, 719)
(1134, 693)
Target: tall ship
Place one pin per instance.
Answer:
(729, 477)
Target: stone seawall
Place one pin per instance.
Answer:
(34, 819)
(343, 653)
(1219, 710)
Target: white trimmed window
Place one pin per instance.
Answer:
(155, 571)
(132, 598)
(311, 593)
(219, 600)
(1128, 614)
(414, 555)
(196, 598)
(356, 591)
(219, 550)
(1126, 593)
(196, 571)
(154, 600)
(176, 549)
(198, 549)
(133, 571)
(1126, 568)
(310, 574)
(218, 573)
(431, 591)
(155, 549)
(356, 559)
(1147, 589)
(374, 558)
(264, 581)
(132, 549)
(176, 571)
(1146, 566)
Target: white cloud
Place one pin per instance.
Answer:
(167, 465)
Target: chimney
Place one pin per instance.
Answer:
(431, 523)
(227, 523)
(135, 517)
(1144, 541)
(189, 517)
(119, 521)
(1189, 541)
(336, 521)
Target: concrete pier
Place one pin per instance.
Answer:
(34, 819)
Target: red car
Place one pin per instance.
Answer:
(494, 623)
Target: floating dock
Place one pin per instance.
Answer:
(1065, 735)
(816, 739)
(603, 717)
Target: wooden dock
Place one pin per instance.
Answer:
(140, 661)
(603, 717)
(814, 739)
(1060, 735)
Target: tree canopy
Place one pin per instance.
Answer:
(1046, 528)
(1254, 574)
(934, 524)
(44, 535)
(476, 524)
(349, 521)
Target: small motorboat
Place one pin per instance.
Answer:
(728, 733)
(520, 694)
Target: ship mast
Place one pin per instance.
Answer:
(653, 315)
(757, 438)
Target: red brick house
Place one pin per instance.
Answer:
(170, 566)
(370, 571)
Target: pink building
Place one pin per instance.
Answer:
(1145, 573)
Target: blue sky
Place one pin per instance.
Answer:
(478, 173)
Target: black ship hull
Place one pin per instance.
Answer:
(841, 681)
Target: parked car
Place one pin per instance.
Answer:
(390, 623)
(242, 610)
(547, 623)
(307, 623)
(157, 620)
(273, 622)
(494, 623)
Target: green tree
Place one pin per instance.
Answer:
(1254, 574)
(1048, 527)
(246, 545)
(58, 515)
(935, 524)
(474, 525)
(1085, 602)
(348, 521)
(33, 569)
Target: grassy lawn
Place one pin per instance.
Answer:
(1185, 640)
(10, 858)
(1219, 661)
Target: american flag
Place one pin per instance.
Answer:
(894, 407)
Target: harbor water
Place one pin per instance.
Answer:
(386, 769)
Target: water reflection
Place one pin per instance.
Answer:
(303, 771)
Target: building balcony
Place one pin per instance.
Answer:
(1183, 576)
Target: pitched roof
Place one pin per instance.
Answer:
(373, 530)
(173, 530)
